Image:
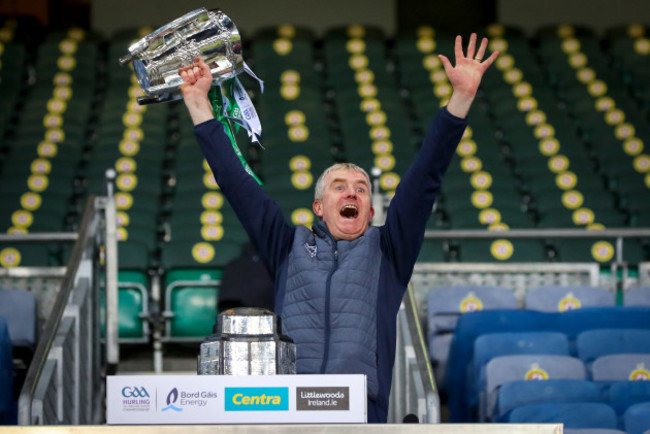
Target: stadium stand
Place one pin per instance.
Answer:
(556, 141)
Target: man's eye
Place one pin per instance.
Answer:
(339, 187)
(361, 190)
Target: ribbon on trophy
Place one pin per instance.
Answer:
(233, 108)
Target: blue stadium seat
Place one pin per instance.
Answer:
(615, 367)
(491, 345)
(621, 395)
(470, 326)
(503, 369)
(560, 298)
(636, 419)
(593, 431)
(592, 344)
(637, 297)
(523, 392)
(18, 307)
(571, 414)
(7, 402)
(446, 304)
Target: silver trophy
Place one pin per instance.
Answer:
(247, 342)
(208, 34)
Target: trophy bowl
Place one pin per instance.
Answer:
(208, 34)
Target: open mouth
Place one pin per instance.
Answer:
(349, 211)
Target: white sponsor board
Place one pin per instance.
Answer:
(215, 399)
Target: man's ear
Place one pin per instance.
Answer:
(317, 206)
(372, 214)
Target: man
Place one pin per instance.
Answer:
(338, 286)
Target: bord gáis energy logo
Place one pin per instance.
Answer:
(180, 400)
(257, 399)
(172, 397)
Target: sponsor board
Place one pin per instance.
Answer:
(208, 399)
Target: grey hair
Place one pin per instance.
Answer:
(320, 183)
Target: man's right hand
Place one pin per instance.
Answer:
(197, 81)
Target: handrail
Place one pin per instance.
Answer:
(537, 233)
(40, 237)
(422, 358)
(53, 321)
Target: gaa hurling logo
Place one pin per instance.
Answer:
(172, 397)
(135, 398)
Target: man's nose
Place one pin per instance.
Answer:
(351, 192)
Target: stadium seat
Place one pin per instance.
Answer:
(630, 366)
(503, 369)
(133, 307)
(573, 322)
(637, 297)
(490, 345)
(592, 344)
(18, 307)
(571, 414)
(523, 392)
(7, 402)
(557, 298)
(446, 304)
(621, 395)
(190, 303)
(636, 419)
(593, 431)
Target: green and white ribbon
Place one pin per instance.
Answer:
(233, 107)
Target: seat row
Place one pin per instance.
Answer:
(606, 334)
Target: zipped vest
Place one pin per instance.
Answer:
(330, 303)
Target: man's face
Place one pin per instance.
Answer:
(345, 206)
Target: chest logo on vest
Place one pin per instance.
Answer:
(312, 250)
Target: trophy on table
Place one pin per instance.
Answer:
(247, 342)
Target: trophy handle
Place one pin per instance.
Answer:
(165, 97)
(126, 59)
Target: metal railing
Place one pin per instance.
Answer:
(63, 384)
(413, 392)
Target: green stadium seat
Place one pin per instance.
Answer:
(133, 307)
(190, 303)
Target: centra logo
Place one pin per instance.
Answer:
(257, 399)
(134, 392)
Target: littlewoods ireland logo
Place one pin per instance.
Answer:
(322, 398)
(257, 399)
(172, 397)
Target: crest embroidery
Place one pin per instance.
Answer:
(312, 250)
